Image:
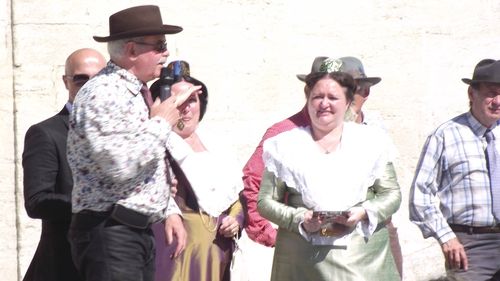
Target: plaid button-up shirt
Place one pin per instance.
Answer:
(451, 184)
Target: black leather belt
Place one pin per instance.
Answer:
(118, 215)
(475, 229)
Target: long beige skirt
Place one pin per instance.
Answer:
(207, 255)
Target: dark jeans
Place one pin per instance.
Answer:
(105, 250)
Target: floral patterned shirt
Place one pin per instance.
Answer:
(116, 152)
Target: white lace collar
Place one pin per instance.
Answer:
(334, 181)
(213, 175)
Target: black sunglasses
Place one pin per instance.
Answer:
(160, 46)
(79, 79)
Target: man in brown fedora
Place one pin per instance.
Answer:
(117, 144)
(459, 168)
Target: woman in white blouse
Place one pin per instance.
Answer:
(207, 194)
(330, 165)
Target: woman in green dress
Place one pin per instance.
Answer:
(330, 165)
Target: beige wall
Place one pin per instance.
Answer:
(8, 227)
(248, 53)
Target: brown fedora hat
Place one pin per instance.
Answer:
(350, 65)
(487, 70)
(135, 22)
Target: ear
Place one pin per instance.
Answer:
(65, 81)
(130, 51)
(470, 92)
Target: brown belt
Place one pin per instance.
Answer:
(475, 229)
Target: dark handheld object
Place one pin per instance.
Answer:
(165, 81)
(329, 215)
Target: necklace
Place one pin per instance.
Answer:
(331, 147)
(328, 141)
(330, 150)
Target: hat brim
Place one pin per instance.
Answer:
(302, 77)
(371, 80)
(470, 81)
(164, 29)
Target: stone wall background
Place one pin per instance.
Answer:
(248, 52)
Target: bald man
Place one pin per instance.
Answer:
(47, 177)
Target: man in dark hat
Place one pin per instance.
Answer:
(117, 144)
(459, 168)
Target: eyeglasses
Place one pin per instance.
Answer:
(79, 79)
(160, 46)
(363, 91)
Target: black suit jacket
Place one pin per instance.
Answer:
(47, 195)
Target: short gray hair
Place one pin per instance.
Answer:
(116, 48)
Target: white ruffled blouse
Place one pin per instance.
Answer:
(335, 181)
(212, 173)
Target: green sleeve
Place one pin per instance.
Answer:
(384, 197)
(272, 207)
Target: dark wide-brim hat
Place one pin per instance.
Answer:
(487, 70)
(135, 22)
(350, 65)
